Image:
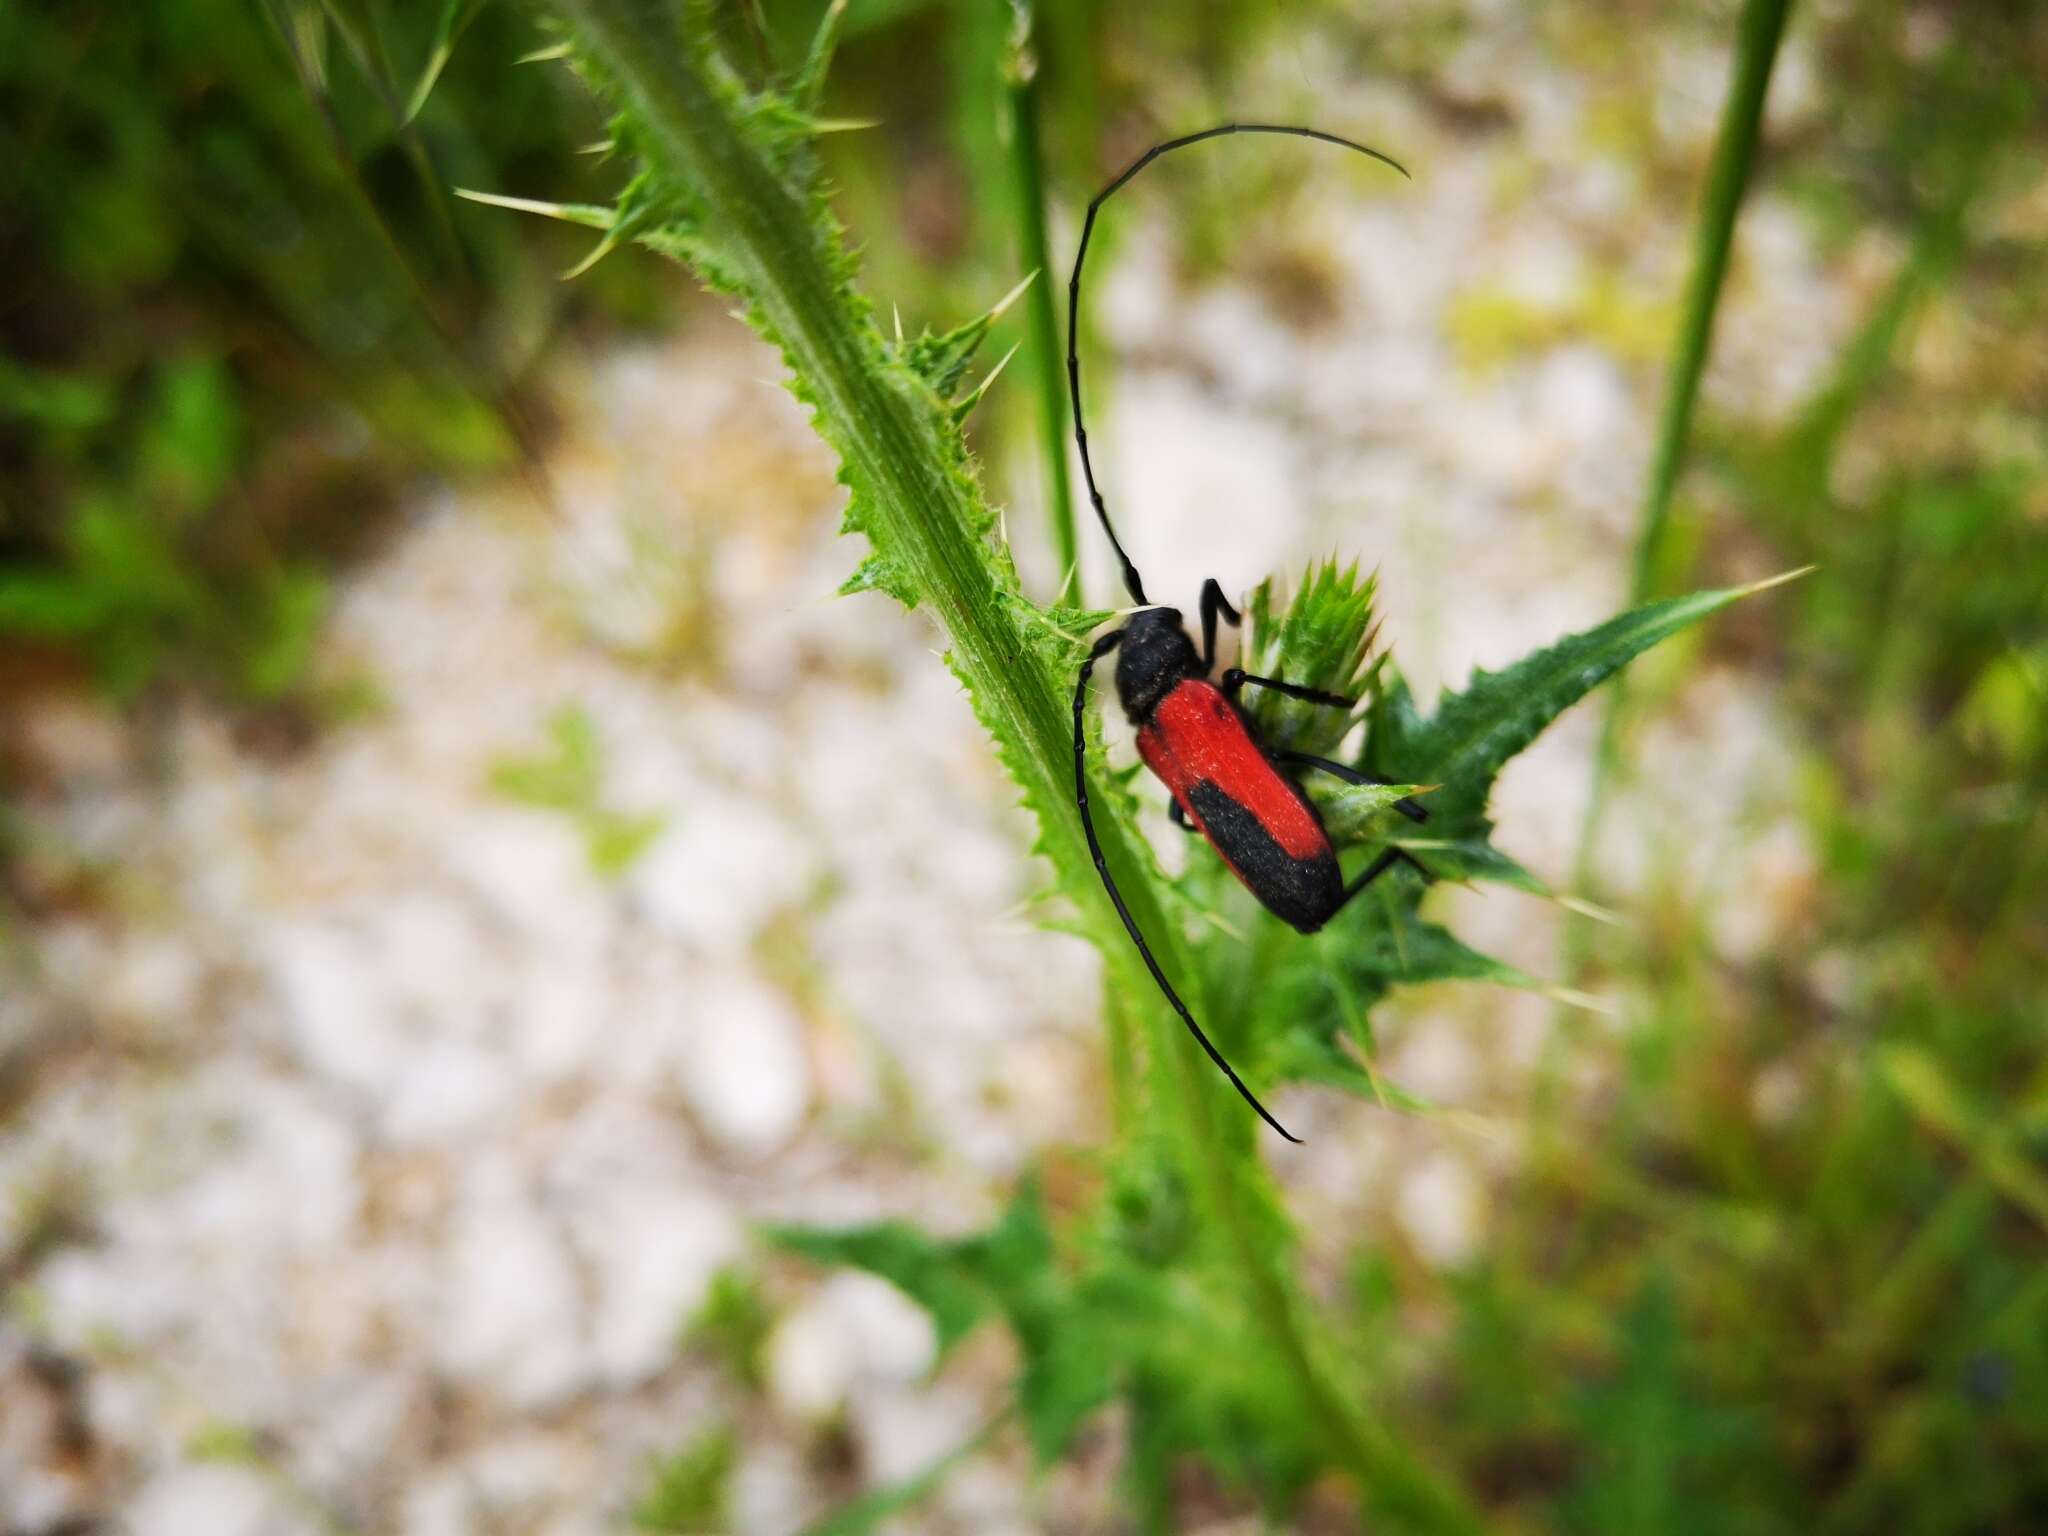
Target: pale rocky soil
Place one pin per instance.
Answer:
(393, 1144)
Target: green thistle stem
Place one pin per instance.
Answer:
(892, 435)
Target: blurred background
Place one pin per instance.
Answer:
(461, 867)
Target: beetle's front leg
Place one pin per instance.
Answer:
(1214, 603)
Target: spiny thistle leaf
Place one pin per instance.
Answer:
(589, 215)
(1356, 813)
(964, 406)
(881, 573)
(1070, 1364)
(1327, 988)
(929, 1270)
(941, 358)
(1474, 733)
(1468, 858)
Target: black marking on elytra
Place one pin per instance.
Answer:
(1302, 893)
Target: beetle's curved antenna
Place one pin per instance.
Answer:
(1102, 648)
(1132, 583)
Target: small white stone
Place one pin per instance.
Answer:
(653, 1252)
(857, 1329)
(444, 1089)
(438, 1506)
(38, 1499)
(811, 1362)
(559, 1010)
(357, 1425)
(339, 1020)
(894, 1339)
(215, 1500)
(747, 1076)
(1434, 1062)
(1773, 895)
(722, 867)
(434, 958)
(290, 1181)
(509, 1313)
(81, 739)
(1777, 1093)
(529, 867)
(1439, 1207)
(93, 1293)
(155, 977)
(521, 1472)
(901, 1432)
(768, 1489)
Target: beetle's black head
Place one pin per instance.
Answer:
(1155, 655)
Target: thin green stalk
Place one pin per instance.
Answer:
(1762, 28)
(759, 233)
(1808, 449)
(1391, 1481)
(1034, 254)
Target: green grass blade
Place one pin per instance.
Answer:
(1735, 149)
(1034, 253)
(1761, 29)
(456, 15)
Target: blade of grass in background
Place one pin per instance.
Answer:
(1034, 249)
(1762, 29)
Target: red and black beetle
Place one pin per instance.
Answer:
(1191, 734)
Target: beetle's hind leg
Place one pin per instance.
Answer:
(1179, 817)
(1374, 870)
(1390, 857)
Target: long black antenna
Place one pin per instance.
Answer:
(1132, 583)
(1101, 649)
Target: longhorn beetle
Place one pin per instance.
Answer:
(1191, 733)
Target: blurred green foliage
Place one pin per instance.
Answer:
(237, 304)
(691, 1491)
(568, 777)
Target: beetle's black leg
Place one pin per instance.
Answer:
(1213, 603)
(1102, 648)
(1179, 817)
(1373, 871)
(1405, 806)
(1237, 677)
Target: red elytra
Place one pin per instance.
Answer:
(1195, 737)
